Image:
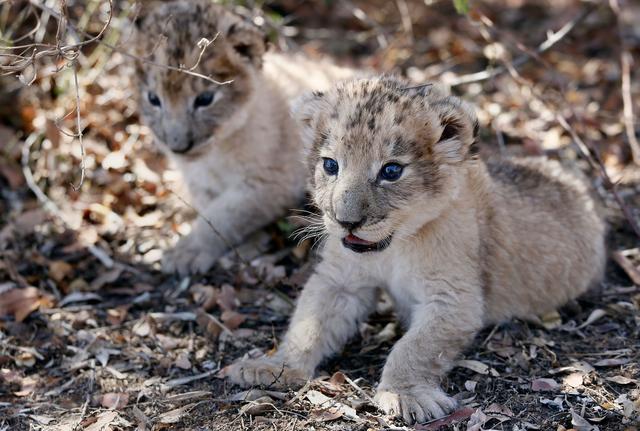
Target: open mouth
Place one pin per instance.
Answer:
(360, 245)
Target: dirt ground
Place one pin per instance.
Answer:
(93, 336)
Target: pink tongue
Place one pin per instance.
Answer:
(355, 240)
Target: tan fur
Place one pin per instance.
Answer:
(471, 243)
(240, 155)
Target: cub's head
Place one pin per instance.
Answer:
(187, 113)
(384, 157)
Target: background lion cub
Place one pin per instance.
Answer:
(235, 144)
(456, 243)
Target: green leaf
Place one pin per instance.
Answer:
(462, 6)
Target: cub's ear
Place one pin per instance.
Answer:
(458, 129)
(305, 107)
(247, 41)
(307, 111)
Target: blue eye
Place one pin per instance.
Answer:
(391, 172)
(153, 98)
(330, 166)
(203, 99)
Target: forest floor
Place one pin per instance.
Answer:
(94, 336)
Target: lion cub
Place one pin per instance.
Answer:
(455, 242)
(236, 144)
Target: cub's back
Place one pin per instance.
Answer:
(295, 74)
(545, 236)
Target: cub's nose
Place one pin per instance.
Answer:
(351, 225)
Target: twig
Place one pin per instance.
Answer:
(184, 380)
(552, 39)
(78, 128)
(626, 61)
(405, 16)
(359, 389)
(51, 207)
(133, 56)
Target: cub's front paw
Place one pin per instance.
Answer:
(416, 403)
(189, 256)
(265, 371)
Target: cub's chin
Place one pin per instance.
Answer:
(359, 245)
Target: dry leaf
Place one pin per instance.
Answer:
(613, 362)
(20, 303)
(142, 328)
(27, 386)
(182, 361)
(621, 380)
(258, 406)
(578, 366)
(168, 343)
(499, 412)
(574, 380)
(477, 366)
(107, 421)
(106, 277)
(457, 416)
(581, 424)
(115, 316)
(205, 296)
(227, 299)
(25, 359)
(254, 394)
(232, 319)
(595, 315)
(477, 420)
(208, 324)
(175, 415)
(325, 415)
(544, 385)
(632, 270)
(59, 270)
(333, 408)
(470, 385)
(114, 400)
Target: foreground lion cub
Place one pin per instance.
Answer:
(236, 144)
(455, 242)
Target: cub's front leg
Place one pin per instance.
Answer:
(223, 223)
(329, 309)
(440, 327)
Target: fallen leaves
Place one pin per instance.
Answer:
(20, 302)
(114, 400)
(108, 420)
(477, 367)
(629, 260)
(328, 409)
(544, 385)
(23, 386)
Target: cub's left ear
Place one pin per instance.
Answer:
(305, 107)
(248, 41)
(459, 129)
(307, 110)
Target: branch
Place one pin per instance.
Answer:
(626, 61)
(586, 149)
(552, 39)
